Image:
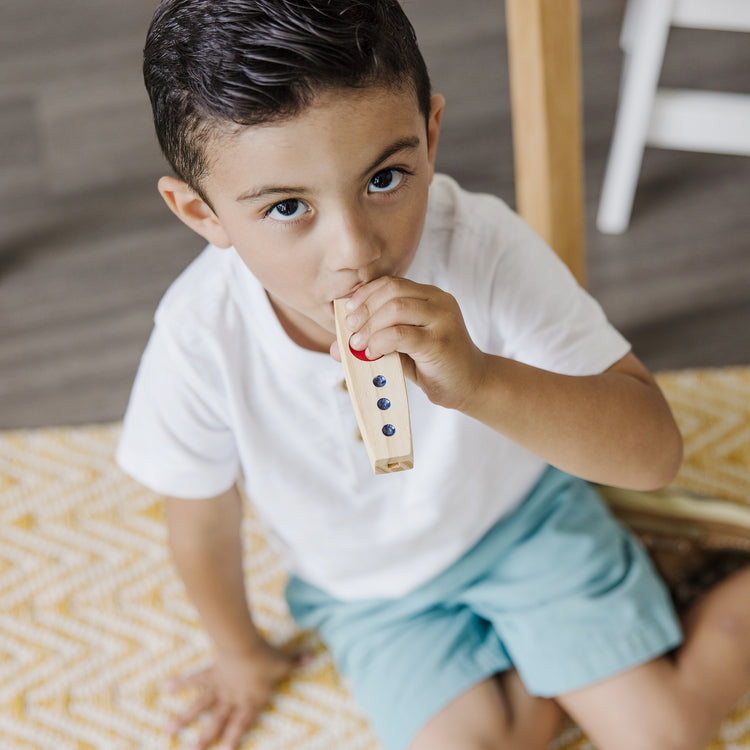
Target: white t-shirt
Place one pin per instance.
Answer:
(222, 387)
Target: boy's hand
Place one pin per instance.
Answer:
(234, 690)
(424, 323)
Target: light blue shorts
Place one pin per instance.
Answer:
(558, 590)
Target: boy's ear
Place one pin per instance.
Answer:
(192, 210)
(437, 105)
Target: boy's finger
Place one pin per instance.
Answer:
(215, 727)
(203, 703)
(409, 367)
(335, 353)
(362, 293)
(180, 682)
(368, 298)
(239, 722)
(392, 307)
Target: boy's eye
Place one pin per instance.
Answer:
(286, 210)
(388, 179)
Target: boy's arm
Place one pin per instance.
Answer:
(613, 428)
(204, 537)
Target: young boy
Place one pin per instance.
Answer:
(471, 599)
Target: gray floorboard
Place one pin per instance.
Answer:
(87, 248)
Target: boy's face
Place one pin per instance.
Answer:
(321, 203)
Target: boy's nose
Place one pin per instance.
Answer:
(353, 244)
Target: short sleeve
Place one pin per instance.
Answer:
(176, 439)
(545, 318)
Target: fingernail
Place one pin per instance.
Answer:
(352, 321)
(357, 340)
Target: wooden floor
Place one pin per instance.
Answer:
(87, 248)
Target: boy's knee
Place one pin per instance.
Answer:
(671, 730)
(538, 738)
(669, 720)
(495, 714)
(657, 741)
(483, 743)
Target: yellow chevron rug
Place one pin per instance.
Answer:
(93, 618)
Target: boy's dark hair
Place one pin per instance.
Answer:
(210, 63)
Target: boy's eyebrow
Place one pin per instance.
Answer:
(400, 145)
(261, 192)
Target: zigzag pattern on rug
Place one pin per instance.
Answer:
(93, 617)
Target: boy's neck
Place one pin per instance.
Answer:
(300, 329)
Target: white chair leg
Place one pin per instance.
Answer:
(631, 23)
(640, 77)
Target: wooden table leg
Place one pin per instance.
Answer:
(545, 83)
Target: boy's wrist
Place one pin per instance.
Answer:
(477, 398)
(242, 643)
(229, 623)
